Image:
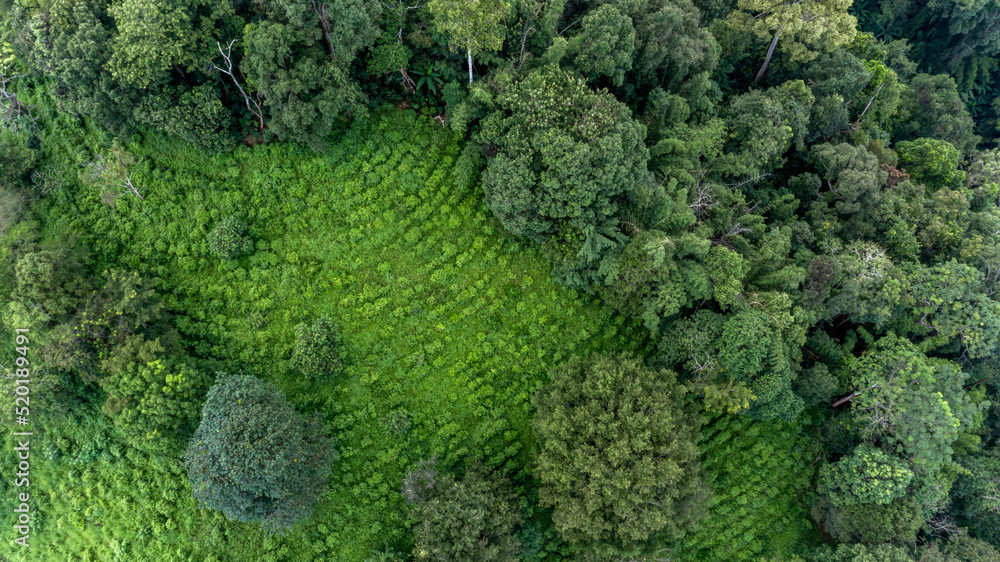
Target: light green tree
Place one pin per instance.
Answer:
(865, 476)
(156, 405)
(155, 36)
(808, 27)
(473, 26)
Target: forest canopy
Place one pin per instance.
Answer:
(503, 280)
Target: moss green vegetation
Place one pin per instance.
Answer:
(446, 328)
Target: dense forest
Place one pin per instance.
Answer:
(498, 280)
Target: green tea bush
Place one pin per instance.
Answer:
(449, 329)
(758, 471)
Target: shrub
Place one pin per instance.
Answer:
(316, 348)
(254, 458)
(227, 241)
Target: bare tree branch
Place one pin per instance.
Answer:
(227, 57)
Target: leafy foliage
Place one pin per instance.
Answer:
(865, 476)
(468, 519)
(756, 470)
(316, 350)
(227, 240)
(567, 156)
(253, 457)
(617, 458)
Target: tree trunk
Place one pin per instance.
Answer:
(324, 23)
(469, 51)
(847, 398)
(767, 59)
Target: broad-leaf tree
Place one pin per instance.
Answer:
(472, 26)
(254, 458)
(617, 459)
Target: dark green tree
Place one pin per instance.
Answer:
(860, 553)
(299, 61)
(254, 458)
(931, 107)
(52, 280)
(74, 53)
(958, 38)
(155, 37)
(228, 239)
(16, 160)
(762, 125)
(871, 524)
(566, 156)
(964, 548)
(468, 519)
(671, 45)
(605, 45)
(977, 495)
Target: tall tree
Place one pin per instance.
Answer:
(977, 495)
(805, 28)
(932, 107)
(567, 160)
(605, 45)
(300, 62)
(157, 36)
(617, 456)
(473, 26)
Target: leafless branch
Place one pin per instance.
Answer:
(704, 199)
(227, 57)
(10, 107)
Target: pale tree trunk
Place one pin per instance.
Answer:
(469, 51)
(767, 59)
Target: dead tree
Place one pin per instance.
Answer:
(255, 108)
(117, 171)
